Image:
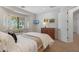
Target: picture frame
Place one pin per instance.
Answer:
(35, 22)
(51, 20)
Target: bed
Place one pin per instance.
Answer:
(26, 42)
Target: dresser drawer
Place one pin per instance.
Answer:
(49, 31)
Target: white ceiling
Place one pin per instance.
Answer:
(37, 9)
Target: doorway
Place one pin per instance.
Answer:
(76, 24)
(73, 24)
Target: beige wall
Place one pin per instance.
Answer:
(48, 15)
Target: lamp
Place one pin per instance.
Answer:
(45, 22)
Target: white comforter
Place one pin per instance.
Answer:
(7, 43)
(45, 38)
(26, 44)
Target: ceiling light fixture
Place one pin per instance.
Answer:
(22, 6)
(51, 6)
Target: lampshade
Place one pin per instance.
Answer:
(45, 22)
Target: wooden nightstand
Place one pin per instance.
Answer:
(49, 31)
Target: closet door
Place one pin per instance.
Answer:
(70, 26)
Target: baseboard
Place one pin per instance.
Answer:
(66, 41)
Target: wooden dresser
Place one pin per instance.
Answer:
(49, 31)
